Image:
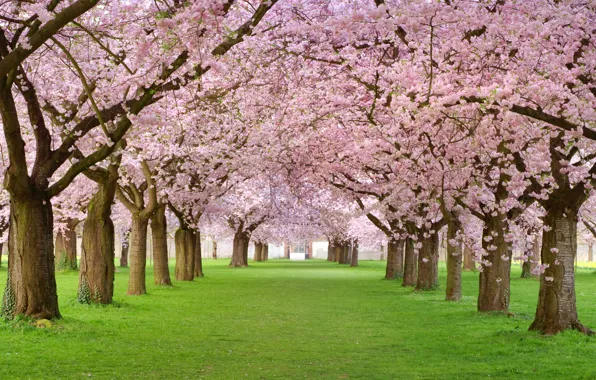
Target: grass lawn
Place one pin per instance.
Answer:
(293, 320)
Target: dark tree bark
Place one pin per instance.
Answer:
(240, 249)
(590, 252)
(428, 261)
(198, 259)
(556, 310)
(258, 251)
(159, 234)
(354, 261)
(330, 251)
(469, 264)
(65, 249)
(31, 283)
(266, 251)
(96, 278)
(185, 258)
(529, 266)
(496, 268)
(286, 250)
(395, 264)
(410, 264)
(214, 249)
(124, 252)
(454, 261)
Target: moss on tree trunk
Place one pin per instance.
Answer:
(31, 283)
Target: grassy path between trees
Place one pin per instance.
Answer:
(293, 320)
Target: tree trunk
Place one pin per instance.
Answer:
(495, 267)
(409, 264)
(240, 250)
(535, 259)
(354, 260)
(198, 267)
(344, 253)
(454, 261)
(590, 253)
(339, 247)
(526, 269)
(214, 249)
(124, 254)
(395, 264)
(330, 251)
(159, 234)
(556, 309)
(65, 249)
(266, 251)
(286, 250)
(428, 261)
(469, 264)
(96, 278)
(185, 259)
(258, 252)
(1, 248)
(138, 255)
(31, 282)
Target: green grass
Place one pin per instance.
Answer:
(292, 320)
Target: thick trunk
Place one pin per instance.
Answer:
(65, 249)
(240, 250)
(258, 252)
(265, 251)
(354, 259)
(124, 254)
(31, 282)
(96, 278)
(428, 262)
(454, 262)
(495, 267)
(185, 259)
(286, 250)
(159, 234)
(330, 251)
(410, 264)
(469, 264)
(198, 259)
(138, 255)
(526, 269)
(556, 309)
(344, 253)
(214, 249)
(395, 261)
(338, 247)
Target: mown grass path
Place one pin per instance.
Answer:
(292, 320)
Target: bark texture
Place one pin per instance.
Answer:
(395, 264)
(65, 249)
(159, 234)
(428, 261)
(185, 258)
(96, 278)
(494, 289)
(31, 282)
(556, 310)
(258, 252)
(410, 264)
(265, 251)
(214, 255)
(138, 255)
(240, 249)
